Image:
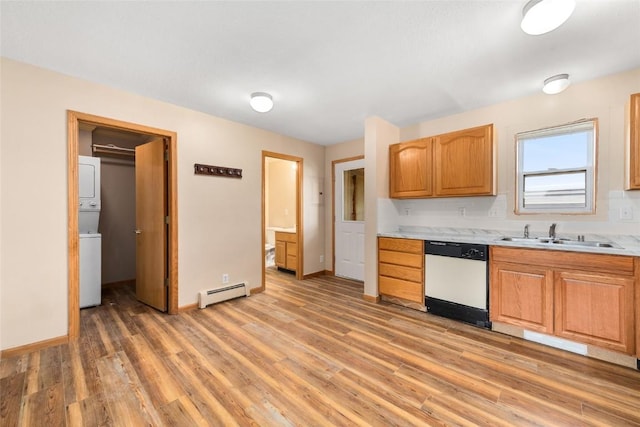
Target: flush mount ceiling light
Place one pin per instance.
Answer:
(556, 84)
(542, 16)
(261, 102)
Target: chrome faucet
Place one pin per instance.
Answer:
(526, 231)
(552, 231)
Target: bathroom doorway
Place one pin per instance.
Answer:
(282, 214)
(139, 136)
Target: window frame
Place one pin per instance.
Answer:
(590, 169)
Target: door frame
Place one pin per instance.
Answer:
(333, 207)
(299, 225)
(74, 118)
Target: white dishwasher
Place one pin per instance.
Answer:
(457, 282)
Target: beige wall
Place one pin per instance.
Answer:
(281, 193)
(605, 99)
(341, 151)
(219, 219)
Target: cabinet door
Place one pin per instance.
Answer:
(464, 162)
(595, 309)
(633, 162)
(410, 169)
(292, 256)
(281, 254)
(521, 295)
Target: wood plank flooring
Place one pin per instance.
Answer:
(309, 353)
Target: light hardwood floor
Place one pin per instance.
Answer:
(309, 353)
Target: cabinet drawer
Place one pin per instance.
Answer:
(401, 272)
(410, 291)
(401, 245)
(292, 249)
(401, 258)
(286, 237)
(580, 261)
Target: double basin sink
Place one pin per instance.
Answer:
(564, 242)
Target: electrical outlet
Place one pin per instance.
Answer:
(462, 211)
(626, 212)
(321, 258)
(493, 213)
(225, 278)
(407, 211)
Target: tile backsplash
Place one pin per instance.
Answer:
(622, 218)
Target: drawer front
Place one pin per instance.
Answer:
(410, 291)
(401, 258)
(580, 261)
(286, 237)
(410, 274)
(292, 249)
(292, 262)
(401, 245)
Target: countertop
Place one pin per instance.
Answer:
(625, 245)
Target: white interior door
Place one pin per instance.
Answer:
(349, 219)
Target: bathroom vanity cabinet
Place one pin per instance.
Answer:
(287, 250)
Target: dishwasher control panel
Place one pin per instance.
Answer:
(456, 250)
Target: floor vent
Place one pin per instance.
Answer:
(225, 293)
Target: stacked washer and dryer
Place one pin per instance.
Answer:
(90, 239)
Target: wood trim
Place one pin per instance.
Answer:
(333, 205)
(73, 266)
(36, 346)
(637, 301)
(172, 202)
(632, 146)
(299, 213)
(187, 307)
(316, 274)
(73, 120)
(254, 291)
(371, 298)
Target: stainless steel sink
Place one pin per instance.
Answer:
(527, 239)
(584, 243)
(564, 242)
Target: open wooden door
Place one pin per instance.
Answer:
(151, 228)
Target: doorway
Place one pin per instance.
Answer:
(348, 218)
(168, 210)
(282, 237)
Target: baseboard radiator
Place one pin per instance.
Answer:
(225, 293)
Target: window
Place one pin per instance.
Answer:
(555, 168)
(353, 206)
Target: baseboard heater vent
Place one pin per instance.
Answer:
(225, 293)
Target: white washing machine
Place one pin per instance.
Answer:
(90, 239)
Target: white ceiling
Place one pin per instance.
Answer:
(328, 65)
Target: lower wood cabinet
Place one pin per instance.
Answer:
(582, 297)
(522, 295)
(287, 250)
(401, 268)
(595, 309)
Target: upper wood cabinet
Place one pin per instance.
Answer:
(463, 163)
(410, 169)
(460, 163)
(633, 149)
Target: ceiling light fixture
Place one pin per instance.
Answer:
(542, 16)
(261, 102)
(556, 84)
